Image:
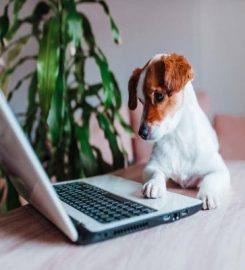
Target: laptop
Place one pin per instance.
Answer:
(86, 210)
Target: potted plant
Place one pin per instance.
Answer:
(59, 111)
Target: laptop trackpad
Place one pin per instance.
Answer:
(132, 191)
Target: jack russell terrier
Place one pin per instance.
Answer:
(185, 148)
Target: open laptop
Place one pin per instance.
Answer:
(85, 210)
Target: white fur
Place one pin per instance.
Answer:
(186, 150)
(140, 85)
(171, 121)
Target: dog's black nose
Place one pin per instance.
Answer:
(144, 131)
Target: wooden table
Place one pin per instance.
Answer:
(208, 240)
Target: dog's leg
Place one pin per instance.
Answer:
(214, 187)
(154, 182)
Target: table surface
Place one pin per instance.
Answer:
(207, 240)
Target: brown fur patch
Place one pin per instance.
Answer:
(132, 85)
(156, 113)
(167, 75)
(178, 72)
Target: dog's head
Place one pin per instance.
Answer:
(159, 87)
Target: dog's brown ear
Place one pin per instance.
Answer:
(132, 85)
(178, 72)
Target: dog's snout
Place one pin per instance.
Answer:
(144, 131)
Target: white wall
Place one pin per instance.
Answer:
(209, 33)
(223, 54)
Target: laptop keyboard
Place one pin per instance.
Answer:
(99, 204)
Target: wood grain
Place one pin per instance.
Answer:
(208, 240)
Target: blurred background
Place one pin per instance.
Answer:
(209, 33)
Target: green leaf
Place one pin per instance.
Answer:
(48, 64)
(18, 85)
(56, 112)
(100, 60)
(75, 169)
(68, 117)
(115, 32)
(13, 196)
(75, 164)
(17, 47)
(123, 123)
(40, 142)
(89, 162)
(117, 93)
(104, 167)
(32, 106)
(16, 23)
(4, 23)
(94, 89)
(110, 135)
(114, 29)
(56, 162)
(87, 32)
(79, 70)
(4, 78)
(18, 4)
(39, 12)
(105, 75)
(74, 22)
(3, 192)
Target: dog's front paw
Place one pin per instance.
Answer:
(209, 198)
(153, 189)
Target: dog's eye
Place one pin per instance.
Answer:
(159, 96)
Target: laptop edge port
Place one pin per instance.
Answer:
(184, 213)
(166, 218)
(176, 216)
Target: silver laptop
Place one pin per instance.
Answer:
(85, 210)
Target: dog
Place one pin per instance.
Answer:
(186, 148)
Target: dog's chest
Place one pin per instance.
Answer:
(177, 157)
